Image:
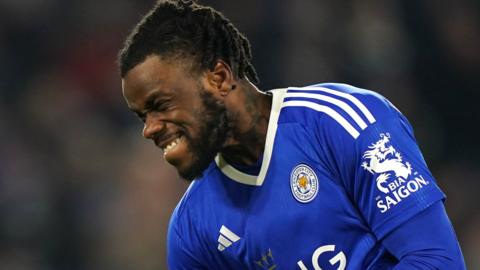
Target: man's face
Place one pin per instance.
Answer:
(180, 113)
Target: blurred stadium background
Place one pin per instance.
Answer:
(79, 187)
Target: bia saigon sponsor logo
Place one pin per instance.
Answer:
(394, 176)
(303, 183)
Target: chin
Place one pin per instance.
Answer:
(190, 175)
(196, 169)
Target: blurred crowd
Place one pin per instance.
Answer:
(80, 188)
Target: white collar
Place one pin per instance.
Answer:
(254, 180)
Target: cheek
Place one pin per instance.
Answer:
(185, 122)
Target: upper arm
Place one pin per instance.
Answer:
(371, 150)
(382, 169)
(426, 241)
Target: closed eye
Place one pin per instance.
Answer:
(159, 105)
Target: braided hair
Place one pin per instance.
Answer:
(183, 28)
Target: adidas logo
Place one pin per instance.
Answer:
(226, 238)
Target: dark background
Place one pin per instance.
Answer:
(81, 189)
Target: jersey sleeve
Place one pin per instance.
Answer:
(381, 167)
(422, 244)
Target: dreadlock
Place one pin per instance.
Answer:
(186, 29)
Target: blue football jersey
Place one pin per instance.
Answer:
(340, 170)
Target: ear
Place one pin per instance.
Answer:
(221, 79)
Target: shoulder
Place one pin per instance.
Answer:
(187, 230)
(333, 106)
(180, 215)
(183, 245)
(185, 211)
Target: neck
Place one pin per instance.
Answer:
(249, 111)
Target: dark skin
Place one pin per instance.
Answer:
(166, 93)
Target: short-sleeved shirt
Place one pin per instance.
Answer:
(340, 170)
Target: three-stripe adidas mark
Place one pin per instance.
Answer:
(226, 238)
(350, 105)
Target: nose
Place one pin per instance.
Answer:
(152, 126)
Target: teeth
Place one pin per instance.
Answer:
(170, 146)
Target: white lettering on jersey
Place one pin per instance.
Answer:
(338, 258)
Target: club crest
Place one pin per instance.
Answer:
(303, 183)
